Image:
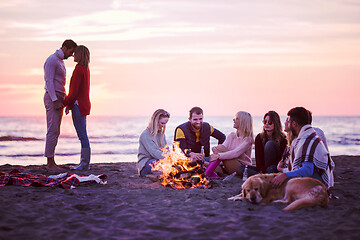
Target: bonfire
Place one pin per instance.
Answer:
(178, 171)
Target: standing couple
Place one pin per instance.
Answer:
(78, 101)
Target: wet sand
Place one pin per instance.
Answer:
(131, 207)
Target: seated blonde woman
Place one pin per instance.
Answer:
(236, 150)
(152, 141)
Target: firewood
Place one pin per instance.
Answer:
(177, 167)
(195, 180)
(187, 184)
(193, 163)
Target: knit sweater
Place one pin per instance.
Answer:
(79, 90)
(239, 148)
(148, 148)
(55, 74)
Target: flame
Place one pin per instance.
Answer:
(179, 171)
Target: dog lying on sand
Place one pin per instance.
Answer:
(297, 192)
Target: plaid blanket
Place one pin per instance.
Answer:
(62, 180)
(309, 147)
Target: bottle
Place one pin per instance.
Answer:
(245, 174)
(203, 153)
(228, 178)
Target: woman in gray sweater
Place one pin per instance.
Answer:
(152, 141)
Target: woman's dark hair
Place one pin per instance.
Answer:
(277, 133)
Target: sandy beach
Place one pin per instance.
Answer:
(131, 207)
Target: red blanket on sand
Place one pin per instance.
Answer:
(24, 179)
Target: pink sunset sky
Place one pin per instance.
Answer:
(223, 56)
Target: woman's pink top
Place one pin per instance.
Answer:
(239, 148)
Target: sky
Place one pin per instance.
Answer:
(224, 56)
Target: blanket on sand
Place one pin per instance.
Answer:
(63, 180)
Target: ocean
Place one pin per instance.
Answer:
(115, 139)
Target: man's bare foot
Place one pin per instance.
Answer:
(51, 165)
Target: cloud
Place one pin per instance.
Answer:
(24, 89)
(187, 20)
(8, 4)
(132, 60)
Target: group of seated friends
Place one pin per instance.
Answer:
(301, 152)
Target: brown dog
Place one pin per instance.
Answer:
(298, 192)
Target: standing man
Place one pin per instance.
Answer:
(55, 78)
(309, 156)
(195, 133)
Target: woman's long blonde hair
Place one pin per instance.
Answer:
(82, 54)
(246, 125)
(153, 125)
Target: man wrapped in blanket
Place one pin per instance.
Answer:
(309, 156)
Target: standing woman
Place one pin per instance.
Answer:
(236, 150)
(269, 144)
(152, 141)
(78, 101)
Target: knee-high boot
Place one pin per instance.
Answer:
(209, 172)
(84, 160)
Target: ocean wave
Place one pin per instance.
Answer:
(352, 139)
(35, 155)
(14, 138)
(126, 152)
(114, 142)
(21, 155)
(121, 136)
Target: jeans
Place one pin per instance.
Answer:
(53, 122)
(272, 156)
(80, 126)
(147, 168)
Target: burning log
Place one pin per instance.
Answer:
(178, 167)
(189, 174)
(184, 175)
(195, 180)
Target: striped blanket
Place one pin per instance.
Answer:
(62, 180)
(309, 147)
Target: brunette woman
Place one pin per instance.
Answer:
(269, 144)
(78, 101)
